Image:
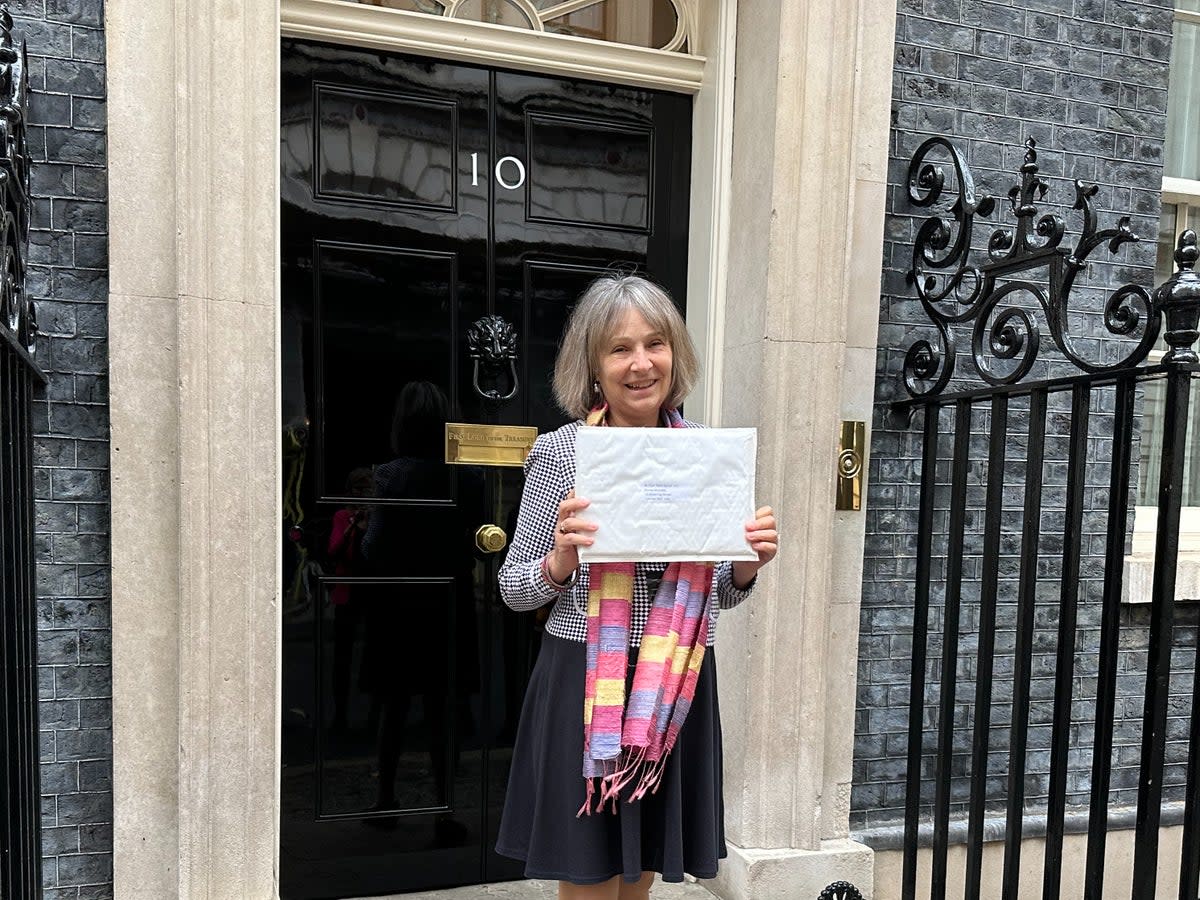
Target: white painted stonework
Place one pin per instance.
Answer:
(193, 136)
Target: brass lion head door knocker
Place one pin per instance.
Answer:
(492, 344)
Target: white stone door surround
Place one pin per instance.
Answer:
(194, 357)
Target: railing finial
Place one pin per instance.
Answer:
(841, 890)
(1030, 152)
(1178, 299)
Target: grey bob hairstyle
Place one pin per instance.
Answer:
(596, 317)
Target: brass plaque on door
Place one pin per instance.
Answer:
(488, 445)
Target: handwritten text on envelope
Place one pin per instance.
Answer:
(666, 494)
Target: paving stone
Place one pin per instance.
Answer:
(548, 890)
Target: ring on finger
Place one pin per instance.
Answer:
(562, 529)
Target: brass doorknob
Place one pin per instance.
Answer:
(490, 538)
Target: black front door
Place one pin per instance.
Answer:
(419, 198)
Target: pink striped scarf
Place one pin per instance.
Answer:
(627, 743)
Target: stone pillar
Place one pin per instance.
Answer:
(193, 112)
(809, 179)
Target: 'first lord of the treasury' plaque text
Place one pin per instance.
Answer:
(488, 445)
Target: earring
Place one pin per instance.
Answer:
(595, 387)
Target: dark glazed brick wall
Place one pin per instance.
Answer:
(67, 277)
(1087, 79)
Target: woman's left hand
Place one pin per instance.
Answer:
(763, 538)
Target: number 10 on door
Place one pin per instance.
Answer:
(505, 166)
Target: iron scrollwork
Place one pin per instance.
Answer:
(1006, 335)
(16, 310)
(492, 345)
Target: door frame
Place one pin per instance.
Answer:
(193, 163)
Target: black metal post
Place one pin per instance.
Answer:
(1179, 299)
(916, 684)
(33, 792)
(20, 845)
(997, 440)
(1110, 625)
(950, 619)
(9, 730)
(1162, 620)
(20, 834)
(19, 661)
(1064, 669)
(1031, 524)
(1189, 867)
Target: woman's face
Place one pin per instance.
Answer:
(635, 371)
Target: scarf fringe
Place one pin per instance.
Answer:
(636, 767)
(587, 803)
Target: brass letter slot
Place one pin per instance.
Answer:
(488, 445)
(852, 452)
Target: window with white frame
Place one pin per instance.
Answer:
(1180, 210)
(661, 24)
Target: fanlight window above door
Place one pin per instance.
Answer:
(661, 24)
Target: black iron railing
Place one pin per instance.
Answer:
(20, 377)
(19, 792)
(993, 439)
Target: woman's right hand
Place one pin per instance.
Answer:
(570, 534)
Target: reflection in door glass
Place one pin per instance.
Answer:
(386, 148)
(385, 745)
(589, 172)
(386, 319)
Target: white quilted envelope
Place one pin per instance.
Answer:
(666, 494)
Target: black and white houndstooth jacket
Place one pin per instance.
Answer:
(549, 475)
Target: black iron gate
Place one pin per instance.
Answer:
(1011, 471)
(20, 835)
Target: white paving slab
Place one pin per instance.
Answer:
(547, 890)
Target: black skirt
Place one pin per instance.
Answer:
(678, 829)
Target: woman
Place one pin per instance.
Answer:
(626, 361)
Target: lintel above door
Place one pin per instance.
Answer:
(379, 28)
